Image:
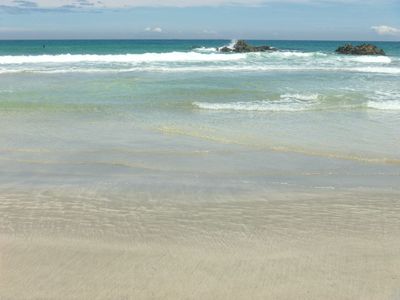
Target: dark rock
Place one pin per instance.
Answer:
(225, 49)
(242, 47)
(364, 49)
(264, 48)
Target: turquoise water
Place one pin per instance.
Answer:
(53, 47)
(178, 116)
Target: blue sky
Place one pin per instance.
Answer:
(250, 19)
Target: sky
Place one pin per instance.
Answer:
(201, 19)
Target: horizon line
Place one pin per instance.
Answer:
(193, 39)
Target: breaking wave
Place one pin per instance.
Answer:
(377, 70)
(123, 58)
(230, 45)
(370, 59)
(296, 54)
(287, 102)
(386, 105)
(199, 60)
(210, 68)
(385, 100)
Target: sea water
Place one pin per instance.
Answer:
(177, 116)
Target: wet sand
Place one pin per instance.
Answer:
(303, 245)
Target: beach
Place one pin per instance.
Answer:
(163, 170)
(327, 245)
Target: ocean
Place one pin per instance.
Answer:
(173, 118)
(167, 170)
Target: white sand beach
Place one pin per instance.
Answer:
(320, 245)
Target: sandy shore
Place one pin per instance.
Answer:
(319, 245)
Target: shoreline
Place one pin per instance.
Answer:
(152, 170)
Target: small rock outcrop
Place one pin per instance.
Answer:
(364, 49)
(225, 49)
(242, 47)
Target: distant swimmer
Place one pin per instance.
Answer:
(44, 46)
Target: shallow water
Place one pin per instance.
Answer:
(161, 114)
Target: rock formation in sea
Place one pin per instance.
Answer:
(364, 49)
(242, 47)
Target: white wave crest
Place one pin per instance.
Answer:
(382, 70)
(231, 44)
(370, 59)
(385, 100)
(250, 106)
(121, 58)
(184, 68)
(205, 50)
(384, 105)
(295, 54)
(300, 97)
(287, 102)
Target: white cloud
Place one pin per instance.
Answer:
(207, 31)
(51, 4)
(386, 30)
(153, 29)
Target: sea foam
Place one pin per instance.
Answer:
(121, 58)
(385, 100)
(296, 54)
(199, 60)
(287, 102)
(382, 70)
(384, 105)
(370, 59)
